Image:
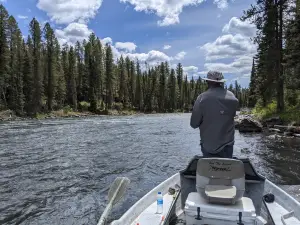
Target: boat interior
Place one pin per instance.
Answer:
(215, 191)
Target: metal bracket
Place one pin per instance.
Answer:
(240, 219)
(198, 214)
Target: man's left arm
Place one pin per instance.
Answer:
(197, 114)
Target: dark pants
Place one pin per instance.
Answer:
(226, 152)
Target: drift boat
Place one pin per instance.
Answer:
(215, 191)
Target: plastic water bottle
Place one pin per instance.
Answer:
(160, 203)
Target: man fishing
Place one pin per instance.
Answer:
(213, 113)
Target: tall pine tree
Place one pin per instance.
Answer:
(37, 78)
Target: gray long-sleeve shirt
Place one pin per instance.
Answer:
(214, 112)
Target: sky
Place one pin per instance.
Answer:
(201, 34)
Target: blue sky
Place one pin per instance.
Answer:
(201, 34)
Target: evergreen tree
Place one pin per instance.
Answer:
(60, 76)
(122, 82)
(4, 55)
(28, 76)
(185, 93)
(20, 74)
(99, 69)
(162, 88)
(172, 91)
(252, 87)
(11, 81)
(51, 64)
(128, 75)
(92, 68)
(109, 77)
(132, 83)
(179, 72)
(37, 79)
(268, 18)
(197, 91)
(80, 72)
(85, 73)
(138, 92)
(71, 82)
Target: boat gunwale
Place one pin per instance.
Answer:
(140, 204)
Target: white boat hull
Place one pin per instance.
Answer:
(285, 210)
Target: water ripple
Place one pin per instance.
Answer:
(59, 171)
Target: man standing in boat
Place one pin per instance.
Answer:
(213, 113)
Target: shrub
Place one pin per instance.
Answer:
(67, 109)
(265, 112)
(84, 106)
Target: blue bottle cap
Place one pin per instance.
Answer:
(159, 192)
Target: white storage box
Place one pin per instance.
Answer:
(214, 214)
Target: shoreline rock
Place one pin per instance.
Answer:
(274, 125)
(249, 125)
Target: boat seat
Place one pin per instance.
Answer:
(219, 180)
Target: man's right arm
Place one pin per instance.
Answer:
(197, 114)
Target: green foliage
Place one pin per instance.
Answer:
(67, 109)
(291, 114)
(263, 112)
(84, 106)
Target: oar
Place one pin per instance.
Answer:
(115, 194)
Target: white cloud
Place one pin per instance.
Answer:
(166, 47)
(246, 75)
(236, 26)
(190, 69)
(169, 10)
(222, 4)
(126, 46)
(151, 58)
(180, 55)
(68, 11)
(235, 45)
(107, 40)
(228, 46)
(22, 17)
(202, 72)
(72, 33)
(240, 65)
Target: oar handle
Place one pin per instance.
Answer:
(105, 213)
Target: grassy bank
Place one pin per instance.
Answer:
(8, 115)
(68, 114)
(290, 115)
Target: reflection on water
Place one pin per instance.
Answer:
(59, 171)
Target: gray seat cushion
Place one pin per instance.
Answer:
(220, 194)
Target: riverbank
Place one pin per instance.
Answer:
(9, 115)
(266, 119)
(291, 115)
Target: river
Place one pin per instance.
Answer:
(59, 171)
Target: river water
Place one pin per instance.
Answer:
(59, 171)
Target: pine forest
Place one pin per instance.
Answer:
(39, 75)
